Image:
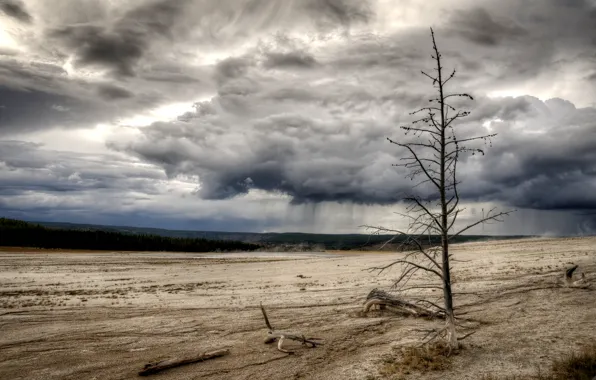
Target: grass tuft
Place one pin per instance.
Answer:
(574, 366)
(431, 357)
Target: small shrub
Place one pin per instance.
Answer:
(431, 357)
(574, 366)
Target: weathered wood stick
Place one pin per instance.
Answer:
(152, 368)
(273, 335)
(569, 274)
(582, 283)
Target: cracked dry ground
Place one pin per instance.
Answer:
(73, 315)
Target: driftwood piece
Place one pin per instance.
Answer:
(581, 283)
(384, 299)
(152, 368)
(569, 274)
(273, 335)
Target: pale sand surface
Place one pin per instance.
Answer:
(104, 315)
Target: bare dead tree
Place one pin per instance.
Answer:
(432, 158)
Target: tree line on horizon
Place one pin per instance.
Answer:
(17, 233)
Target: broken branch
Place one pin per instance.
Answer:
(273, 335)
(152, 368)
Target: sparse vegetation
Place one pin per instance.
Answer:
(141, 308)
(574, 366)
(437, 357)
(431, 357)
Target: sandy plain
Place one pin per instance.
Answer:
(103, 315)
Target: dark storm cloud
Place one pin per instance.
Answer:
(42, 184)
(23, 110)
(316, 157)
(150, 46)
(147, 219)
(30, 167)
(251, 136)
(15, 9)
(171, 77)
(231, 68)
(294, 59)
(111, 92)
(516, 42)
(41, 95)
(318, 134)
(290, 154)
(343, 12)
(122, 45)
(43, 76)
(119, 50)
(38, 96)
(546, 165)
(27, 110)
(478, 26)
(297, 97)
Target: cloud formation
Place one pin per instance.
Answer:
(15, 9)
(120, 46)
(293, 99)
(546, 158)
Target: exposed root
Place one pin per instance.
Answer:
(384, 299)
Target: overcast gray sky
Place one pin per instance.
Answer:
(272, 115)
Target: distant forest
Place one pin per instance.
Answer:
(16, 233)
(92, 236)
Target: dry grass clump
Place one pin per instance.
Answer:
(574, 366)
(580, 366)
(431, 357)
(437, 357)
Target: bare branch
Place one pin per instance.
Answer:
(421, 287)
(422, 130)
(467, 335)
(413, 264)
(462, 95)
(472, 139)
(431, 77)
(447, 80)
(483, 220)
(458, 115)
(426, 210)
(417, 159)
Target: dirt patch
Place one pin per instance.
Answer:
(105, 315)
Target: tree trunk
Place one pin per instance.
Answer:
(447, 294)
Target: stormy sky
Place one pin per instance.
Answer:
(272, 115)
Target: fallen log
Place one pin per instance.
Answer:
(152, 368)
(384, 299)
